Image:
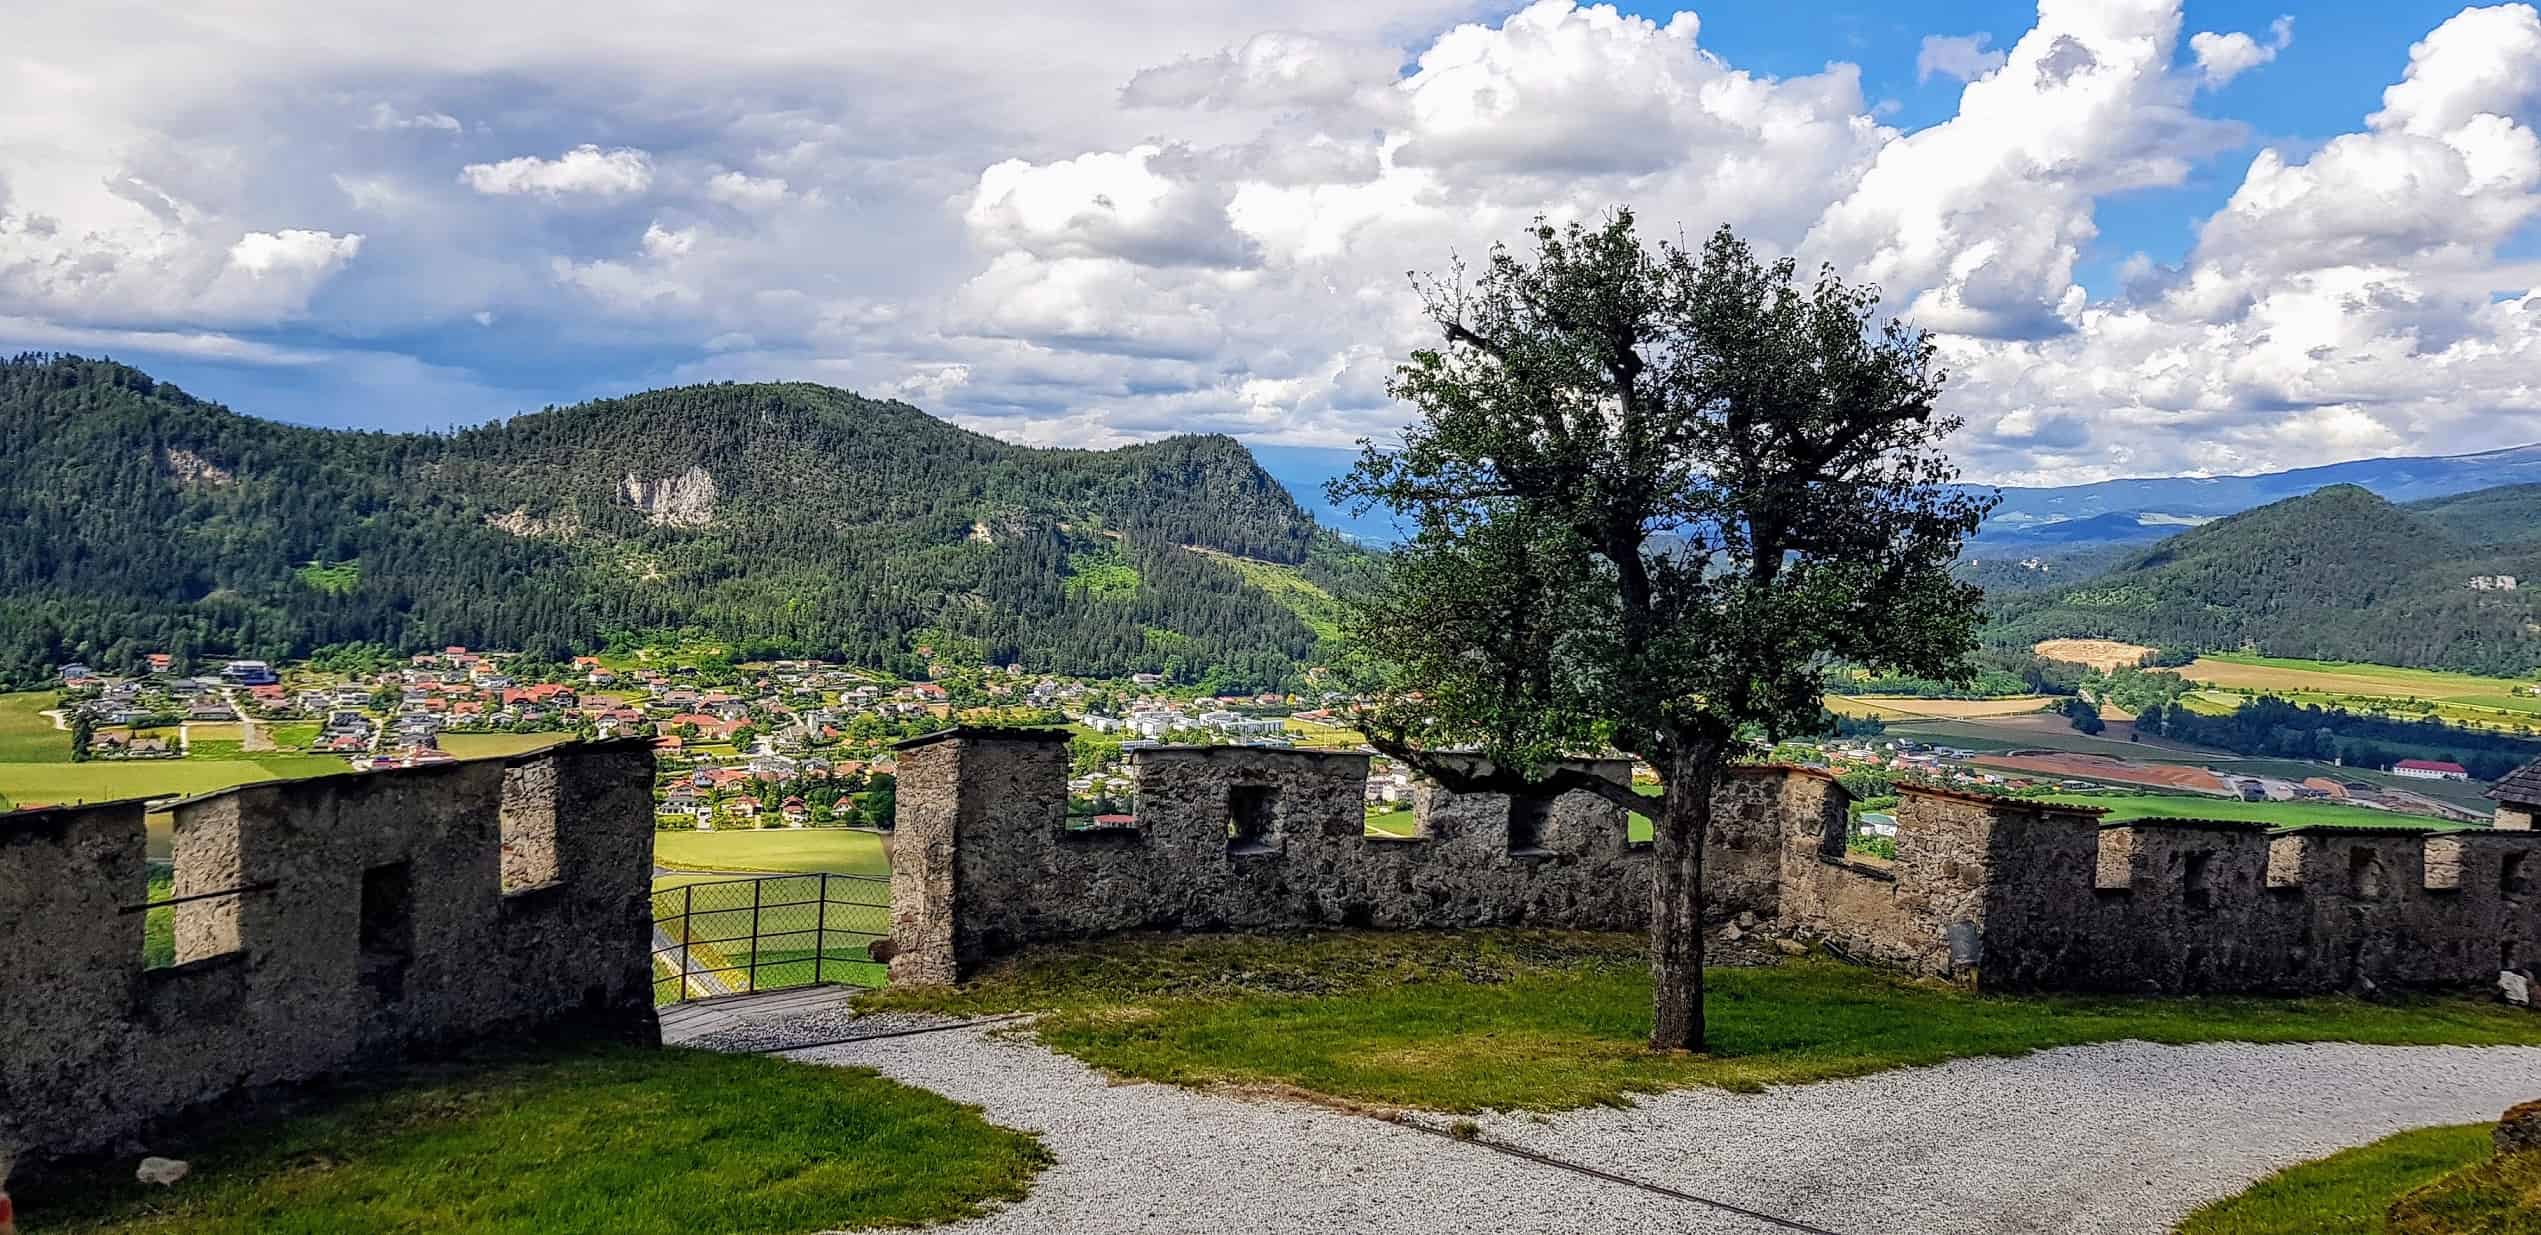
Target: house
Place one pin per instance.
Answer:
(248, 673)
(796, 811)
(2430, 769)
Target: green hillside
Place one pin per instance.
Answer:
(786, 518)
(2335, 575)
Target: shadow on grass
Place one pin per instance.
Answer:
(584, 1141)
(1539, 1020)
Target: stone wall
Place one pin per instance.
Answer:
(2003, 893)
(2012, 895)
(384, 913)
(1248, 838)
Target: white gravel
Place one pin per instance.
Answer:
(2119, 1138)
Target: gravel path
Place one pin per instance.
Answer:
(2120, 1138)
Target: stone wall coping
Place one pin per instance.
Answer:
(2185, 823)
(2030, 806)
(52, 819)
(988, 733)
(527, 756)
(1217, 748)
(2396, 832)
(1788, 769)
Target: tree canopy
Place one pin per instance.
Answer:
(1657, 491)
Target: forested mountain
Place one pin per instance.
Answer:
(791, 518)
(2339, 575)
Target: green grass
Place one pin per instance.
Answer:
(330, 578)
(2345, 1193)
(2122, 807)
(63, 784)
(595, 1141)
(26, 735)
(483, 745)
(1402, 821)
(2500, 1196)
(1544, 1020)
(797, 850)
(291, 736)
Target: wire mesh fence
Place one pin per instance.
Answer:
(735, 936)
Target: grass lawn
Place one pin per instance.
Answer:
(794, 850)
(26, 735)
(595, 1141)
(2500, 1196)
(1543, 1020)
(1402, 821)
(62, 784)
(2346, 1193)
(2123, 807)
(480, 745)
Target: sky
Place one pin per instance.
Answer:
(2152, 238)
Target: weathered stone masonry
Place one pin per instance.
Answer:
(388, 912)
(1244, 838)
(2000, 893)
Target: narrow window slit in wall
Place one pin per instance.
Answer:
(2513, 875)
(1528, 817)
(1252, 818)
(2365, 878)
(387, 927)
(528, 826)
(2195, 879)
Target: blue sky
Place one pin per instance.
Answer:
(1092, 225)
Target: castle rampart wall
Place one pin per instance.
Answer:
(374, 915)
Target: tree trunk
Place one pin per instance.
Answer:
(1677, 901)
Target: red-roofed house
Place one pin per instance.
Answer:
(2430, 769)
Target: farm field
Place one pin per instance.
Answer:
(64, 784)
(2100, 654)
(2380, 681)
(26, 734)
(1891, 708)
(2122, 807)
(483, 745)
(790, 850)
(1312, 736)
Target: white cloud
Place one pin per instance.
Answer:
(585, 169)
(386, 118)
(2222, 57)
(1963, 56)
(746, 192)
(1201, 218)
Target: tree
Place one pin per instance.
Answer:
(83, 732)
(1657, 492)
(881, 801)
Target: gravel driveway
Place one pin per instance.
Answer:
(2105, 1139)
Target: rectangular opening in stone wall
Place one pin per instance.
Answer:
(1252, 818)
(2285, 863)
(1528, 820)
(2115, 869)
(528, 827)
(204, 860)
(2196, 886)
(2444, 858)
(2366, 877)
(387, 926)
(2514, 875)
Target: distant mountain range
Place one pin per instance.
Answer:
(2336, 574)
(785, 518)
(2136, 511)
(2059, 520)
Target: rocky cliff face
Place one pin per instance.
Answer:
(685, 500)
